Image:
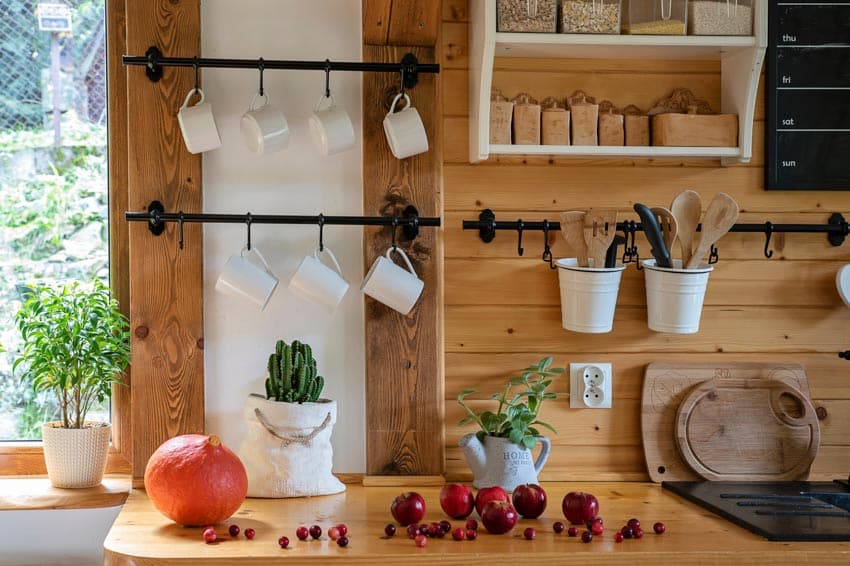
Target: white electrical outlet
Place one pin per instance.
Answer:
(590, 385)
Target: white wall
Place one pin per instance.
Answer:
(239, 338)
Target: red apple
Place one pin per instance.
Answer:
(579, 507)
(487, 494)
(529, 500)
(499, 517)
(408, 508)
(457, 500)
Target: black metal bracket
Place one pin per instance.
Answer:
(837, 238)
(411, 230)
(153, 69)
(487, 231)
(845, 354)
(410, 68)
(156, 225)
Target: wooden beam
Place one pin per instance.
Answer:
(401, 22)
(404, 402)
(166, 283)
(376, 21)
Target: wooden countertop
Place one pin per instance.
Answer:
(142, 536)
(36, 492)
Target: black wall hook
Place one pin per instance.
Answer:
(519, 226)
(393, 227)
(197, 81)
(248, 224)
(262, 66)
(713, 255)
(321, 232)
(547, 251)
(327, 78)
(768, 233)
(180, 230)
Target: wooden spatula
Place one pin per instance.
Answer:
(600, 226)
(572, 230)
(719, 217)
(686, 208)
(667, 223)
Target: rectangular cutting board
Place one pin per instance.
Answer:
(664, 387)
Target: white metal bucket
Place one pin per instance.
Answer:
(588, 296)
(674, 296)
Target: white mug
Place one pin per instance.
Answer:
(198, 124)
(264, 128)
(242, 278)
(404, 130)
(331, 128)
(396, 287)
(315, 281)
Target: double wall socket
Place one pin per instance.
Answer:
(590, 385)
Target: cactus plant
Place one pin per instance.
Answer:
(293, 377)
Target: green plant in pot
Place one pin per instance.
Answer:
(75, 344)
(500, 453)
(287, 450)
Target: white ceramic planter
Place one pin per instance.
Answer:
(76, 457)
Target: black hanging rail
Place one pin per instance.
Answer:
(154, 61)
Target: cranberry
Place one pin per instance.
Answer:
(529, 533)
(627, 531)
(634, 523)
(618, 537)
(572, 531)
(558, 527)
(209, 535)
(436, 530)
(316, 531)
(342, 542)
(471, 525)
(389, 530)
(333, 533)
(343, 529)
(638, 533)
(249, 534)
(233, 530)
(471, 534)
(412, 530)
(420, 540)
(283, 542)
(589, 524)
(596, 528)
(659, 528)
(301, 532)
(458, 534)
(586, 536)
(445, 526)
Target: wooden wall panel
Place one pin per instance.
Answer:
(166, 283)
(503, 311)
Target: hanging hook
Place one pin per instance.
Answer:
(768, 233)
(262, 66)
(321, 232)
(547, 251)
(713, 255)
(248, 223)
(403, 72)
(180, 230)
(519, 227)
(394, 225)
(327, 78)
(195, 65)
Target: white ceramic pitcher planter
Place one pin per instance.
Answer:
(498, 461)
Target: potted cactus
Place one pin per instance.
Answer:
(287, 450)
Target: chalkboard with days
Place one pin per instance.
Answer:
(808, 96)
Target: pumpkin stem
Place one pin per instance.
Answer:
(214, 440)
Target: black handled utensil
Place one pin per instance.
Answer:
(653, 235)
(611, 255)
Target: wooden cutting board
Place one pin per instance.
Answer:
(747, 430)
(665, 385)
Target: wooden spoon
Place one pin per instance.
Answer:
(667, 223)
(719, 217)
(686, 208)
(600, 226)
(572, 230)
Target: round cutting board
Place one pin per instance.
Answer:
(747, 430)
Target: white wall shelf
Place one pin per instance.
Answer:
(740, 59)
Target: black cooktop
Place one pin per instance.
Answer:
(781, 511)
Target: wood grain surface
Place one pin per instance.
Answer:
(404, 410)
(142, 536)
(401, 22)
(166, 283)
(34, 492)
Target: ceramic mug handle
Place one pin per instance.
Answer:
(189, 97)
(404, 256)
(546, 446)
(395, 101)
(254, 106)
(262, 259)
(318, 106)
(333, 258)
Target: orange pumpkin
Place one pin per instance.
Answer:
(194, 479)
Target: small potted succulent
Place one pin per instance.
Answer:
(76, 344)
(500, 453)
(287, 451)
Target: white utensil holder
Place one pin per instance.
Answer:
(588, 296)
(674, 296)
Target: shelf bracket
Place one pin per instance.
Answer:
(837, 238)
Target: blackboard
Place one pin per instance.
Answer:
(808, 95)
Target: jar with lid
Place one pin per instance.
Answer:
(590, 16)
(537, 16)
(720, 17)
(656, 17)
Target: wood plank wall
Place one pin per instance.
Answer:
(503, 311)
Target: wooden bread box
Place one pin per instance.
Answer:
(682, 120)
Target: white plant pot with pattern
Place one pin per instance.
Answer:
(76, 457)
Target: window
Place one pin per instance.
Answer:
(54, 196)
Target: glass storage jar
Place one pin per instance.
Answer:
(720, 17)
(538, 16)
(590, 16)
(656, 17)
